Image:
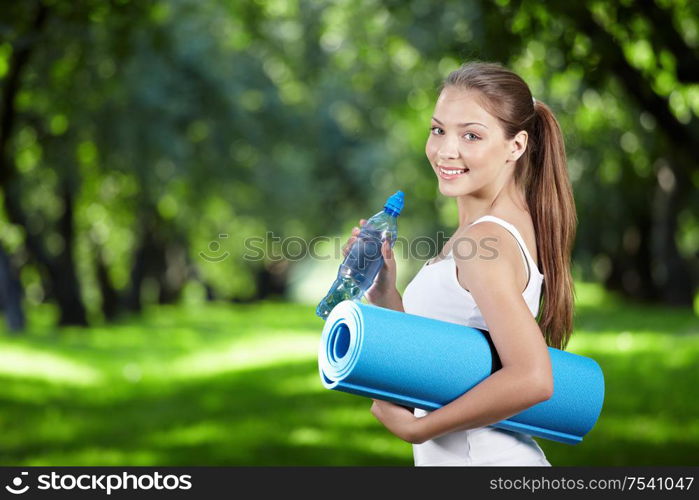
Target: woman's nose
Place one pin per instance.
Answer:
(447, 151)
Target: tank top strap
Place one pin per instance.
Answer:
(528, 259)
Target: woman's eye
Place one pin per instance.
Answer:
(469, 135)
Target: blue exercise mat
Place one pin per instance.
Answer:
(426, 363)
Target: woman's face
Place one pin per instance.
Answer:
(466, 146)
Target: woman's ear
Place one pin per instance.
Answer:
(518, 145)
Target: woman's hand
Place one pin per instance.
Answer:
(399, 420)
(383, 291)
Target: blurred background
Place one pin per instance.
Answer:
(164, 165)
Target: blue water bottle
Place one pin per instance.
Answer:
(364, 260)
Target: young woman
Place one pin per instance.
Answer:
(500, 154)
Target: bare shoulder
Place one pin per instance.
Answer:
(492, 273)
(486, 254)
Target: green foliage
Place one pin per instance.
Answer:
(186, 120)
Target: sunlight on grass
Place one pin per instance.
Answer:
(385, 444)
(307, 436)
(654, 429)
(677, 351)
(201, 432)
(301, 385)
(22, 362)
(238, 384)
(590, 295)
(265, 351)
(96, 456)
(346, 417)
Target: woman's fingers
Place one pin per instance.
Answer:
(348, 245)
(388, 259)
(352, 239)
(387, 250)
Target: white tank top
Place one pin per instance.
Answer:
(435, 292)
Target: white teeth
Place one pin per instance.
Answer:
(451, 172)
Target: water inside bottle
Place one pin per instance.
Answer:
(364, 260)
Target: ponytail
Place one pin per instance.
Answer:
(550, 201)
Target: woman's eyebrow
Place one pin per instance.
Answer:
(462, 124)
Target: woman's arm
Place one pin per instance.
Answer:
(525, 378)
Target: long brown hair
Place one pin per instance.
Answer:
(543, 174)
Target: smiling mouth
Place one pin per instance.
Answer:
(451, 173)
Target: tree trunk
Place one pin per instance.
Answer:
(62, 269)
(10, 294)
(110, 297)
(173, 273)
(161, 257)
(139, 270)
(671, 272)
(272, 280)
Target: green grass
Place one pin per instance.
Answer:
(223, 384)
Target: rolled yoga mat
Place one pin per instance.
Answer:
(426, 363)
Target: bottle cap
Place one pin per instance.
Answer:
(395, 202)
